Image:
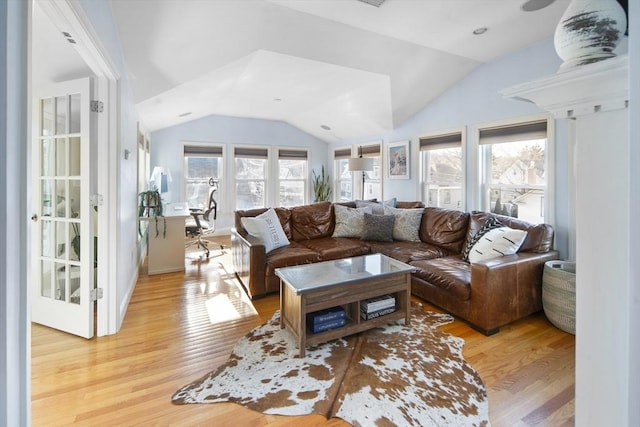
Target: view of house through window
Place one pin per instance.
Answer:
(515, 170)
(373, 179)
(201, 163)
(443, 170)
(292, 177)
(343, 185)
(251, 176)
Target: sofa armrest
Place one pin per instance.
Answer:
(507, 288)
(249, 262)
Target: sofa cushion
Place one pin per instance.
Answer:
(267, 228)
(378, 228)
(294, 254)
(335, 248)
(539, 236)
(496, 243)
(446, 228)
(407, 251)
(452, 274)
(378, 207)
(312, 221)
(406, 225)
(349, 221)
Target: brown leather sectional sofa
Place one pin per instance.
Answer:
(487, 294)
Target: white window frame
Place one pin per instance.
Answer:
(481, 195)
(284, 153)
(423, 162)
(338, 158)
(368, 150)
(267, 172)
(208, 150)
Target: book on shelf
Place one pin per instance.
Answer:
(325, 315)
(327, 325)
(378, 313)
(378, 303)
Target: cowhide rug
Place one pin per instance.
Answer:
(393, 375)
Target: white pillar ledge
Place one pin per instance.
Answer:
(588, 89)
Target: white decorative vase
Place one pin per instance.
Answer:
(589, 31)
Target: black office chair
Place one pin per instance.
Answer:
(202, 223)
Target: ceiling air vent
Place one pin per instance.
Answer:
(376, 3)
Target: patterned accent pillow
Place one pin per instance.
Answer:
(489, 224)
(378, 207)
(349, 221)
(407, 223)
(378, 227)
(496, 243)
(267, 228)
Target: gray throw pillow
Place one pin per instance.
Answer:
(378, 207)
(349, 221)
(378, 227)
(407, 223)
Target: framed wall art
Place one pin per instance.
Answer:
(398, 160)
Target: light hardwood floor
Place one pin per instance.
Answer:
(179, 326)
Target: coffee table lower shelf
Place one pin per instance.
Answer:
(294, 307)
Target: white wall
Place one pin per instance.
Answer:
(101, 18)
(166, 150)
(633, 255)
(15, 330)
(476, 100)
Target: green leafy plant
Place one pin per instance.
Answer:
(321, 187)
(151, 205)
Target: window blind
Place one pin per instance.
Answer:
(437, 142)
(370, 150)
(512, 133)
(253, 153)
(292, 154)
(342, 153)
(203, 150)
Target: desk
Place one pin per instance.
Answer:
(166, 251)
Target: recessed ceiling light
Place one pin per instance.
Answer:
(533, 5)
(325, 127)
(480, 30)
(277, 99)
(188, 113)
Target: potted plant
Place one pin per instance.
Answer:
(321, 188)
(151, 205)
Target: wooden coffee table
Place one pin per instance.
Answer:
(346, 283)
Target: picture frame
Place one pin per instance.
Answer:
(398, 160)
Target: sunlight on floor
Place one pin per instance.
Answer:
(220, 309)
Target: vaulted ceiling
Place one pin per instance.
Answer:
(354, 68)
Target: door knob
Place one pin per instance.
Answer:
(34, 217)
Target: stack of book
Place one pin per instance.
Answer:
(326, 320)
(376, 307)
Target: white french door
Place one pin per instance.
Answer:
(63, 260)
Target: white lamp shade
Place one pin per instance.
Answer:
(360, 164)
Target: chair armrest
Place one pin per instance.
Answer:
(249, 262)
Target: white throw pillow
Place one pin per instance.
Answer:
(349, 221)
(267, 228)
(407, 223)
(496, 243)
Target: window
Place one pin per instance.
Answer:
(442, 170)
(201, 164)
(292, 177)
(514, 164)
(251, 175)
(373, 179)
(342, 176)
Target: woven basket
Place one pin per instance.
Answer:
(559, 294)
